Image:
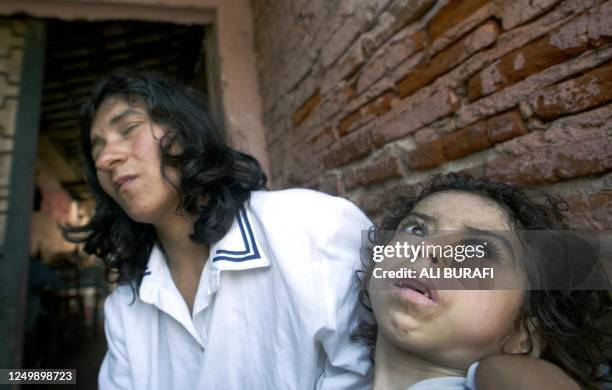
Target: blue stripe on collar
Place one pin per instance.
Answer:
(250, 251)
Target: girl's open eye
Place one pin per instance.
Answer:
(492, 251)
(415, 228)
(484, 248)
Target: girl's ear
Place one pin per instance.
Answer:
(525, 341)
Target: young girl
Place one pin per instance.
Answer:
(431, 333)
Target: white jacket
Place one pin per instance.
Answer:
(274, 309)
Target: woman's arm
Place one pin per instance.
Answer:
(505, 372)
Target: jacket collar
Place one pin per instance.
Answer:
(238, 250)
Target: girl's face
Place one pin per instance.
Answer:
(125, 149)
(440, 320)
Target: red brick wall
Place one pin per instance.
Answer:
(367, 98)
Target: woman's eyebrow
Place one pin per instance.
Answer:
(121, 116)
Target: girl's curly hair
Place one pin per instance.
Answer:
(574, 326)
(209, 169)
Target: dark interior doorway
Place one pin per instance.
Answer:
(79, 53)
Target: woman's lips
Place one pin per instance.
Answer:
(124, 181)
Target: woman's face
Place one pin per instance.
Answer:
(446, 321)
(125, 149)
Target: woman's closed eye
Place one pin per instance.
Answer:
(129, 128)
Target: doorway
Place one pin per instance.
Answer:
(60, 324)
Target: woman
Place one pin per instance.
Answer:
(221, 285)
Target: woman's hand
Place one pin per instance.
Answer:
(507, 372)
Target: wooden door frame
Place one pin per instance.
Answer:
(14, 263)
(234, 96)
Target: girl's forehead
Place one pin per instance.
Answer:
(465, 209)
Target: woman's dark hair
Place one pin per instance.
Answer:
(215, 180)
(574, 325)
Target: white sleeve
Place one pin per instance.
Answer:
(348, 363)
(115, 370)
(470, 378)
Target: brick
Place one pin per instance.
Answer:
(6, 145)
(379, 170)
(375, 107)
(7, 90)
(398, 14)
(557, 162)
(329, 184)
(512, 96)
(389, 57)
(11, 65)
(350, 148)
(304, 170)
(9, 39)
(341, 39)
(580, 34)
(482, 135)
(425, 156)
(571, 127)
(346, 122)
(590, 211)
(383, 30)
(505, 126)
(19, 27)
(306, 108)
(277, 152)
(447, 59)
(517, 12)
(394, 193)
(380, 105)
(400, 122)
(8, 115)
(329, 107)
(464, 142)
(370, 203)
(349, 179)
(452, 14)
(306, 88)
(579, 94)
(465, 26)
(346, 67)
(319, 140)
(5, 168)
(477, 171)
(407, 11)
(349, 91)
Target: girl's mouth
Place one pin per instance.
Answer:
(415, 290)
